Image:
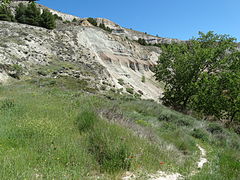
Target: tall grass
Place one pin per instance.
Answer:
(47, 132)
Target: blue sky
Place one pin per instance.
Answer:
(180, 19)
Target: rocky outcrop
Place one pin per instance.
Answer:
(135, 35)
(95, 54)
(109, 57)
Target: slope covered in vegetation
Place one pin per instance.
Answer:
(51, 130)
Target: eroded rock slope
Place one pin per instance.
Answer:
(114, 58)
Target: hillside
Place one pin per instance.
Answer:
(116, 55)
(51, 131)
(80, 102)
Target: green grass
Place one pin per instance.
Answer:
(54, 131)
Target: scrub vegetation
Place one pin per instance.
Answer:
(51, 132)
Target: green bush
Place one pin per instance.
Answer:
(130, 90)
(29, 14)
(86, 120)
(200, 134)
(175, 118)
(6, 14)
(47, 20)
(109, 150)
(142, 123)
(32, 15)
(142, 41)
(16, 71)
(102, 26)
(143, 79)
(181, 140)
(57, 17)
(7, 104)
(121, 82)
(92, 21)
(74, 20)
(215, 128)
(165, 117)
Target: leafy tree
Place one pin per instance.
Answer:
(202, 74)
(219, 93)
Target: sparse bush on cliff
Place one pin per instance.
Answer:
(28, 14)
(47, 20)
(92, 21)
(5, 12)
(102, 26)
(142, 41)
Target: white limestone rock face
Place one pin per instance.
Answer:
(108, 56)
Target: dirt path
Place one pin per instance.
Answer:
(160, 175)
(203, 158)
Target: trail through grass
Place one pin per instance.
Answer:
(52, 133)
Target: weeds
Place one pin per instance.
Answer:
(109, 150)
(130, 90)
(56, 133)
(200, 134)
(215, 128)
(86, 120)
(7, 104)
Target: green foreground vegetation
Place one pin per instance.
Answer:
(50, 131)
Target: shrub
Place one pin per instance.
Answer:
(32, 15)
(200, 134)
(5, 13)
(143, 79)
(29, 14)
(66, 22)
(182, 121)
(86, 120)
(182, 141)
(175, 118)
(165, 117)
(102, 26)
(57, 17)
(15, 71)
(74, 20)
(7, 104)
(121, 82)
(215, 128)
(92, 21)
(47, 20)
(109, 150)
(142, 41)
(130, 90)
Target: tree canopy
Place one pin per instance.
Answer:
(202, 74)
(28, 14)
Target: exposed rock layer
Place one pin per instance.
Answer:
(109, 56)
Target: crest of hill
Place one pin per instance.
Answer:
(117, 29)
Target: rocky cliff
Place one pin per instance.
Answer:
(113, 60)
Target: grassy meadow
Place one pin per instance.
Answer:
(50, 130)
